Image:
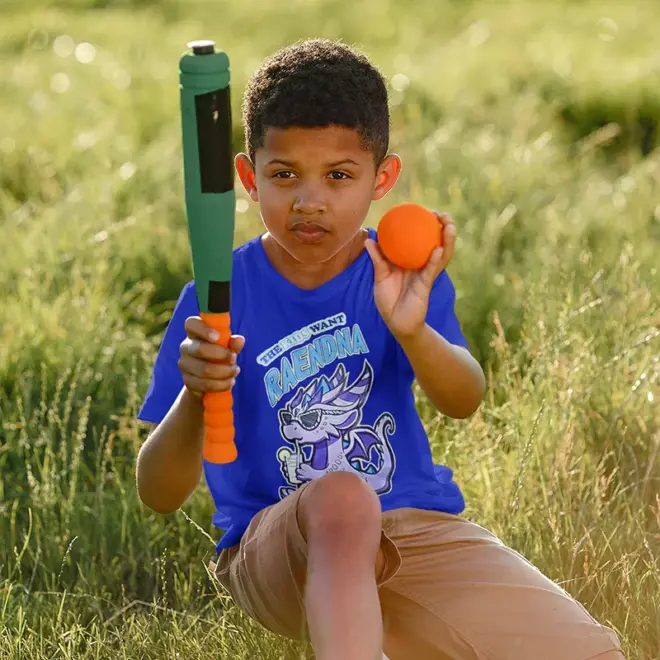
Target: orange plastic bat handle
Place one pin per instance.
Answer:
(219, 446)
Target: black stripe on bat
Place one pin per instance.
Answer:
(219, 297)
(216, 164)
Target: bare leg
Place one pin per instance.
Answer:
(340, 517)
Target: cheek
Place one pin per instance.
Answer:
(274, 204)
(274, 196)
(353, 203)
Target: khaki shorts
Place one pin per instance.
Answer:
(449, 589)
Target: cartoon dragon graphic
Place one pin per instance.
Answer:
(322, 422)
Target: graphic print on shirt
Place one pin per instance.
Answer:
(321, 421)
(322, 424)
(319, 349)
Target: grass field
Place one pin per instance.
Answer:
(535, 125)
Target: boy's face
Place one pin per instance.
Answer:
(314, 187)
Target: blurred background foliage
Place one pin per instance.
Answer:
(534, 124)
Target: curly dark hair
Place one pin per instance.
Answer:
(317, 83)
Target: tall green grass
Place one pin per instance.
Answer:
(535, 126)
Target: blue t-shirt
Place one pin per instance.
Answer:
(324, 386)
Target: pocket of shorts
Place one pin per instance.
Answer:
(393, 560)
(220, 567)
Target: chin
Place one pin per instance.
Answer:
(310, 248)
(312, 254)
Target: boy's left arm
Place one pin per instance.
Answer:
(451, 378)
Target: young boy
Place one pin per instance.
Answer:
(338, 526)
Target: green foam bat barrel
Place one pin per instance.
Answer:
(210, 207)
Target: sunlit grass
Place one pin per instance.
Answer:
(534, 125)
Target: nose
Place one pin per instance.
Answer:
(310, 200)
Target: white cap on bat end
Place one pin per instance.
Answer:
(202, 47)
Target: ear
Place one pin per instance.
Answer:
(386, 176)
(247, 176)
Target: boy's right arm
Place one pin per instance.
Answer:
(169, 463)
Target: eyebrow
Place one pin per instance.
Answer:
(288, 163)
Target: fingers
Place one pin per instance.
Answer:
(202, 342)
(382, 267)
(441, 256)
(199, 386)
(448, 235)
(206, 366)
(208, 370)
(201, 376)
(196, 328)
(236, 343)
(434, 266)
(205, 350)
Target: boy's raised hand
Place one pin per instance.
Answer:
(402, 296)
(205, 365)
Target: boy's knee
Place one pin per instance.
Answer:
(339, 505)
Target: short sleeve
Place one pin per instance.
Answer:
(441, 315)
(166, 381)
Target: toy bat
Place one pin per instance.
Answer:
(210, 206)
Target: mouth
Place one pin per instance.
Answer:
(309, 232)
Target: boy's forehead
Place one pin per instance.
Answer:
(328, 143)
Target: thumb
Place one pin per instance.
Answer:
(382, 267)
(433, 267)
(236, 343)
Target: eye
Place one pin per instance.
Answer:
(310, 420)
(283, 174)
(336, 175)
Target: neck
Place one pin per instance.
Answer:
(311, 276)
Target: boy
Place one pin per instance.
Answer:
(338, 526)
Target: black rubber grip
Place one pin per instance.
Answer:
(216, 164)
(219, 297)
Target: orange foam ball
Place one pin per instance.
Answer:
(407, 234)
